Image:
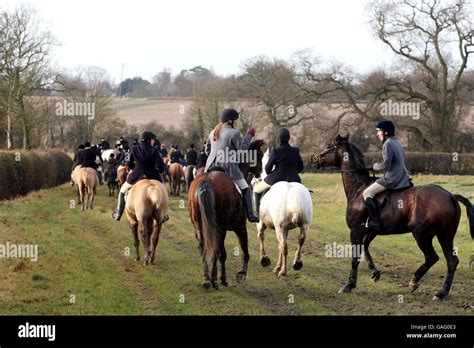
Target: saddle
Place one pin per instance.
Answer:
(383, 198)
(222, 170)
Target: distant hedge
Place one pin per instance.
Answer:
(25, 171)
(424, 163)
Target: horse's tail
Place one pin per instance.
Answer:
(469, 211)
(206, 199)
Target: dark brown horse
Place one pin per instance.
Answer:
(215, 207)
(426, 211)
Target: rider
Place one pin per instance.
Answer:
(176, 155)
(163, 151)
(77, 156)
(191, 156)
(288, 163)
(87, 159)
(396, 174)
(144, 159)
(223, 139)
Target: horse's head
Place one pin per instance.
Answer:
(332, 155)
(256, 149)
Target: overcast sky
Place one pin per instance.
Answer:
(148, 35)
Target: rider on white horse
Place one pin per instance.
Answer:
(284, 165)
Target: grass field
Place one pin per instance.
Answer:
(172, 112)
(82, 257)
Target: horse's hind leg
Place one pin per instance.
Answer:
(452, 260)
(243, 241)
(134, 228)
(282, 235)
(375, 273)
(298, 264)
(222, 259)
(155, 239)
(425, 243)
(146, 241)
(264, 259)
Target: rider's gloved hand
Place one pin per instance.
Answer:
(251, 132)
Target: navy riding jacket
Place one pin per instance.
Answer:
(144, 160)
(288, 163)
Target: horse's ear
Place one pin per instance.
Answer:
(338, 139)
(347, 136)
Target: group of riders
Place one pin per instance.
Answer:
(145, 159)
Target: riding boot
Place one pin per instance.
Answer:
(120, 207)
(257, 197)
(374, 221)
(101, 182)
(251, 215)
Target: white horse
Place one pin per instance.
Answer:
(106, 154)
(284, 207)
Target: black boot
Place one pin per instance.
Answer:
(257, 197)
(374, 220)
(121, 207)
(251, 215)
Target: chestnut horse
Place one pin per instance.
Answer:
(215, 207)
(122, 172)
(87, 182)
(176, 174)
(426, 211)
(146, 205)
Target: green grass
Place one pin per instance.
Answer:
(84, 255)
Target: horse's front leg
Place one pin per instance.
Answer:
(356, 241)
(298, 264)
(375, 273)
(264, 259)
(136, 240)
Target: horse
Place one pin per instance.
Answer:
(215, 206)
(75, 181)
(87, 182)
(285, 206)
(106, 154)
(122, 172)
(111, 179)
(145, 207)
(166, 162)
(176, 174)
(189, 175)
(426, 211)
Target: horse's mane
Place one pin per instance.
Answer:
(256, 144)
(356, 160)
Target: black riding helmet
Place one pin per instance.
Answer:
(284, 136)
(386, 126)
(229, 115)
(147, 136)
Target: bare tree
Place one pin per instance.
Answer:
(25, 68)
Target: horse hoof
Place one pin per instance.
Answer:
(438, 297)
(137, 258)
(375, 276)
(224, 283)
(281, 274)
(265, 261)
(206, 285)
(413, 286)
(298, 265)
(240, 277)
(346, 289)
(276, 270)
(215, 286)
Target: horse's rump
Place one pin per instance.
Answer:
(147, 199)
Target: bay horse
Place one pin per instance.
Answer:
(176, 174)
(146, 204)
(215, 206)
(87, 182)
(189, 175)
(285, 206)
(426, 211)
(110, 174)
